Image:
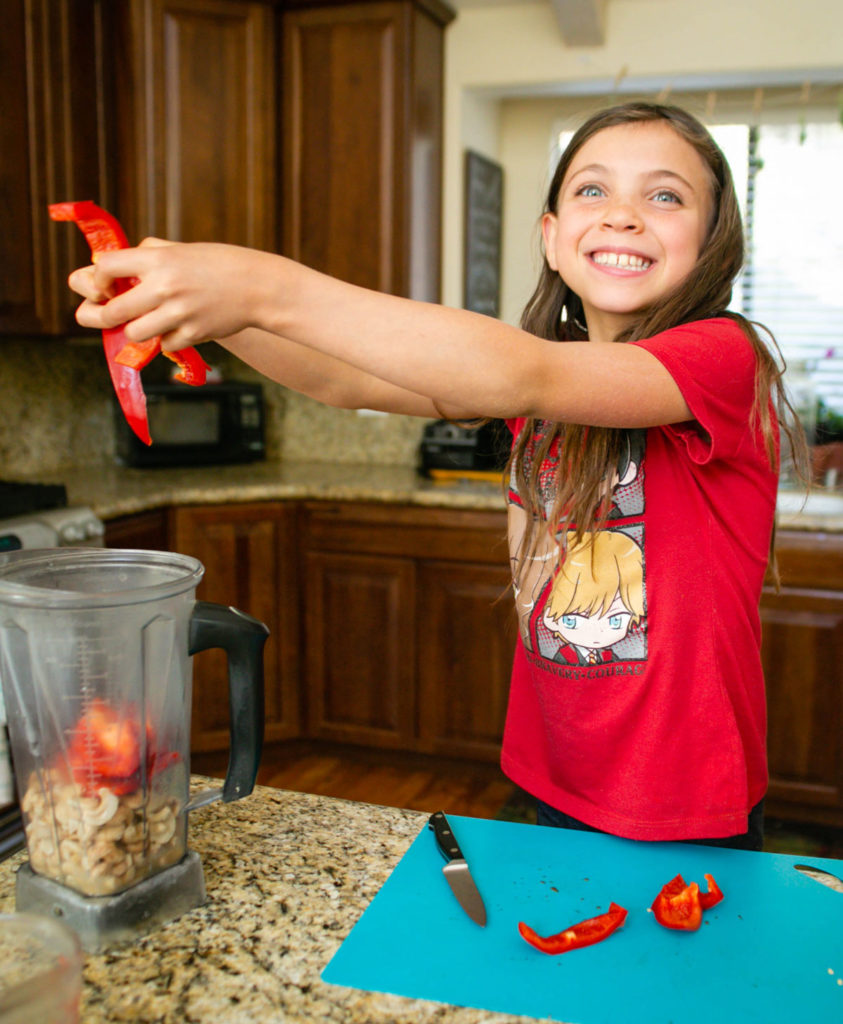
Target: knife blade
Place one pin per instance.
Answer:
(456, 870)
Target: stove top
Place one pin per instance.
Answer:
(19, 499)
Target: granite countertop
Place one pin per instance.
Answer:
(287, 876)
(112, 491)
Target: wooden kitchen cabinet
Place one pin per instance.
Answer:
(466, 638)
(406, 633)
(196, 125)
(249, 554)
(143, 531)
(802, 652)
(362, 150)
(53, 142)
(408, 627)
(359, 648)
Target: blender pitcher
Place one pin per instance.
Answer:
(95, 665)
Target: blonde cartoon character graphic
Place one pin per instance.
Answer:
(596, 596)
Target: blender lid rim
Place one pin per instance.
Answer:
(18, 592)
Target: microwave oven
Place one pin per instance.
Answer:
(210, 425)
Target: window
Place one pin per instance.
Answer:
(788, 178)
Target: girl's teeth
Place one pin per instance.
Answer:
(624, 259)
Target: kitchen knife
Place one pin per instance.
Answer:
(456, 870)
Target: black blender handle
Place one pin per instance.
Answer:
(243, 639)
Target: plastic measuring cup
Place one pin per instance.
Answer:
(40, 971)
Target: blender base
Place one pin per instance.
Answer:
(105, 921)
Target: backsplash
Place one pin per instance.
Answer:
(56, 411)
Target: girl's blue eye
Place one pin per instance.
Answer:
(615, 621)
(590, 191)
(665, 194)
(569, 621)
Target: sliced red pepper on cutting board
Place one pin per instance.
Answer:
(680, 905)
(586, 933)
(713, 896)
(125, 359)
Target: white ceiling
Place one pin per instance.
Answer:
(581, 22)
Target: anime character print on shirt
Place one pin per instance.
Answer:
(589, 607)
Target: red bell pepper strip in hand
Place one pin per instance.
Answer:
(137, 354)
(103, 234)
(586, 933)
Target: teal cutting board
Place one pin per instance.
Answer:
(771, 951)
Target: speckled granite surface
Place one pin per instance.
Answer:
(113, 491)
(57, 402)
(287, 876)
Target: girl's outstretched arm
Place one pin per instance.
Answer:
(465, 363)
(322, 377)
(328, 380)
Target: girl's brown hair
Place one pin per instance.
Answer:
(587, 454)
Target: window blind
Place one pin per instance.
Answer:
(793, 212)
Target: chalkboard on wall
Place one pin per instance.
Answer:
(483, 214)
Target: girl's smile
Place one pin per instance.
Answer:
(633, 214)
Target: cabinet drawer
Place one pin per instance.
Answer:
(460, 535)
(810, 559)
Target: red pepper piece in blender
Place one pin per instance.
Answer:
(586, 933)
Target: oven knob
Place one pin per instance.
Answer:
(71, 533)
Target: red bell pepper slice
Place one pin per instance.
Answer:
(105, 750)
(678, 905)
(586, 933)
(137, 354)
(681, 906)
(104, 233)
(713, 896)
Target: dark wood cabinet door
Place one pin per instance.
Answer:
(197, 123)
(362, 88)
(52, 149)
(145, 531)
(359, 653)
(248, 552)
(465, 640)
(803, 666)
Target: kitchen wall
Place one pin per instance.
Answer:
(56, 410)
(510, 79)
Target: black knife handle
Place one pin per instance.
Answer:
(445, 838)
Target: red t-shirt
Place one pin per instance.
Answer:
(637, 701)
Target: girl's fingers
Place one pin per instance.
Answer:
(89, 314)
(84, 283)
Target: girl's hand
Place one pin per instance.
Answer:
(186, 293)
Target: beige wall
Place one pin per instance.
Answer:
(497, 56)
(55, 397)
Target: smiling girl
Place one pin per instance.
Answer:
(628, 334)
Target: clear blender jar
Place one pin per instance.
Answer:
(95, 665)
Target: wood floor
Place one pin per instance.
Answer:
(397, 779)
(380, 777)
